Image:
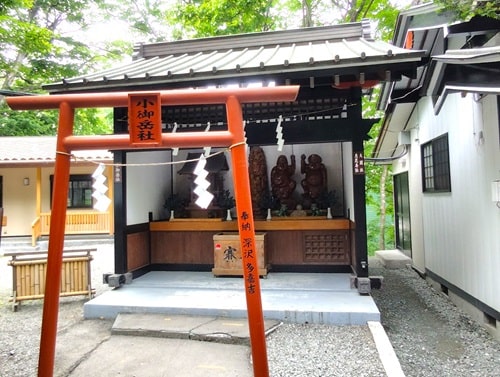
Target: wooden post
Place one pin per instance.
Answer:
(247, 238)
(56, 244)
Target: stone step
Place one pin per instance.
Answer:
(201, 328)
(393, 259)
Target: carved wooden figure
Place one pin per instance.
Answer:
(315, 180)
(259, 185)
(282, 184)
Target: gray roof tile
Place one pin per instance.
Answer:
(39, 150)
(327, 50)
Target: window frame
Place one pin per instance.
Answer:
(72, 203)
(435, 160)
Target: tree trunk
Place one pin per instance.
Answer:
(307, 13)
(13, 70)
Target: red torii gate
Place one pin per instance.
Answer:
(234, 138)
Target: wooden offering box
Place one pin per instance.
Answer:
(228, 258)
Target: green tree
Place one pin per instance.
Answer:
(320, 12)
(205, 18)
(35, 49)
(379, 186)
(465, 9)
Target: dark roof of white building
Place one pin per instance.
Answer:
(461, 57)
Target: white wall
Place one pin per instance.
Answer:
(461, 228)
(147, 186)
(19, 201)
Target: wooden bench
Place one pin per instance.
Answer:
(30, 269)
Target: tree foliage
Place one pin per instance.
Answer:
(205, 18)
(320, 13)
(379, 186)
(36, 48)
(466, 9)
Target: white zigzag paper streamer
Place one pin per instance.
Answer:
(102, 202)
(175, 151)
(204, 197)
(279, 134)
(207, 149)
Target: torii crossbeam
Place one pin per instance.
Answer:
(234, 138)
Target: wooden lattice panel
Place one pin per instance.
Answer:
(30, 271)
(328, 248)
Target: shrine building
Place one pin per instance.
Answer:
(318, 224)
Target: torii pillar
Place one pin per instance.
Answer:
(234, 138)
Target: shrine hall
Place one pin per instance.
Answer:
(305, 157)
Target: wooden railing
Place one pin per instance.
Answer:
(77, 222)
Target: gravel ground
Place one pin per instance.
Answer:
(323, 351)
(430, 335)
(20, 331)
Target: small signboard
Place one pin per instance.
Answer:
(359, 163)
(144, 114)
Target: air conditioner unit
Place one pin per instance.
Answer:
(404, 138)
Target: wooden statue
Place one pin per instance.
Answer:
(259, 186)
(315, 180)
(282, 184)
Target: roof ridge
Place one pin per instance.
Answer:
(266, 38)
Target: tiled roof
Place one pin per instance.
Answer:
(310, 52)
(40, 150)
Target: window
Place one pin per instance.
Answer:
(436, 165)
(79, 192)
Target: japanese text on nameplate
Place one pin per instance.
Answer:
(144, 118)
(359, 163)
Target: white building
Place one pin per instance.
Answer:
(441, 134)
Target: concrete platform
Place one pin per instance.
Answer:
(393, 259)
(289, 297)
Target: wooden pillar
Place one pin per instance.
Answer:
(359, 195)
(247, 238)
(120, 212)
(56, 244)
(38, 191)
